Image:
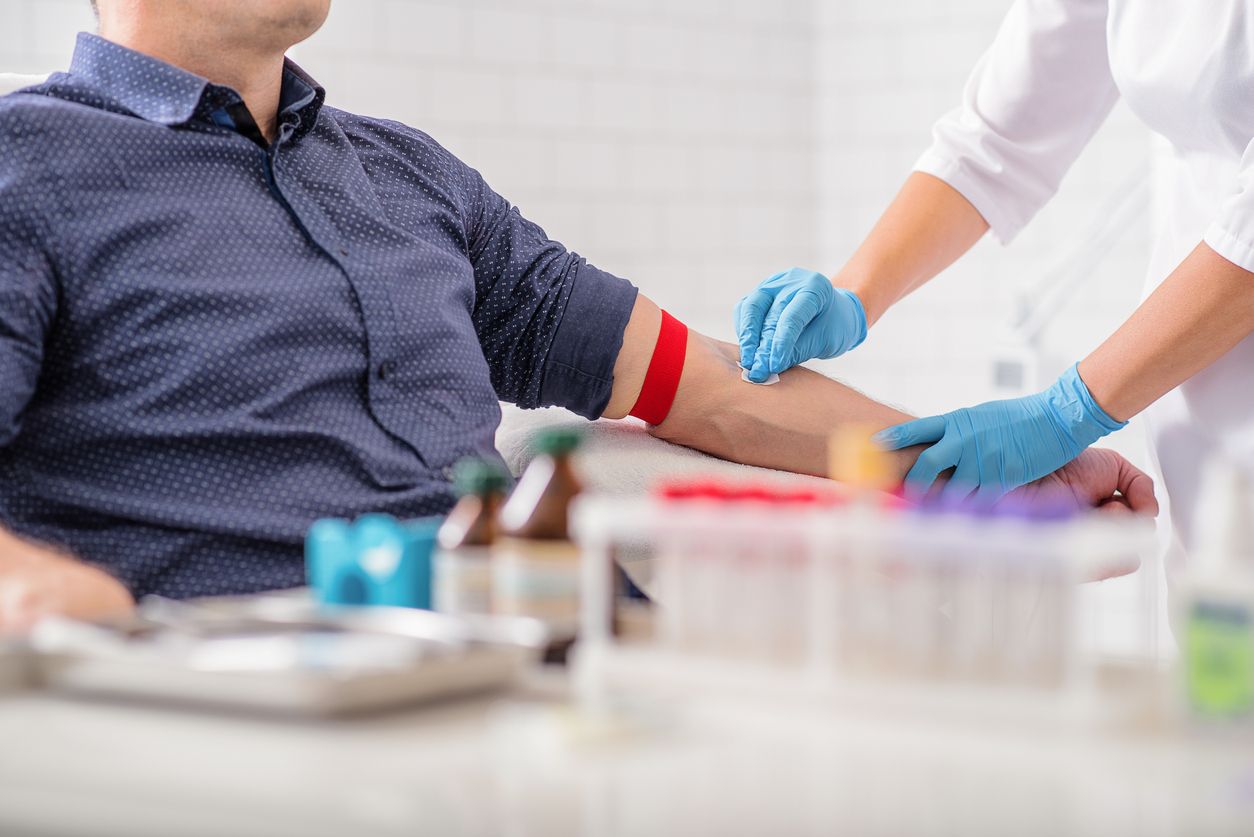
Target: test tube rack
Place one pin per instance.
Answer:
(775, 593)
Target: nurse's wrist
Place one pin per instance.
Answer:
(1104, 392)
(1074, 405)
(875, 302)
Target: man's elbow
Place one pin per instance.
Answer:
(703, 416)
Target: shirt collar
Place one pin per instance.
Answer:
(159, 92)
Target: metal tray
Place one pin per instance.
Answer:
(284, 654)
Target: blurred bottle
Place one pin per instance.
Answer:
(856, 461)
(1216, 600)
(463, 575)
(535, 565)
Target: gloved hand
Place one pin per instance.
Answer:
(794, 316)
(1001, 445)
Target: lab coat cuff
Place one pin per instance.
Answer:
(1232, 247)
(951, 170)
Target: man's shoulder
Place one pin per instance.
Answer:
(46, 111)
(357, 122)
(405, 140)
(28, 121)
(25, 108)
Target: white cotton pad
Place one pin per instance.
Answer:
(771, 379)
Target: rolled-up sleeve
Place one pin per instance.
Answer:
(550, 324)
(1032, 103)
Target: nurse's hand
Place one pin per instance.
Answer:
(1000, 445)
(36, 581)
(795, 316)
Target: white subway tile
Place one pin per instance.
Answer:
(15, 37)
(659, 170)
(631, 107)
(467, 96)
(691, 109)
(585, 42)
(353, 28)
(653, 47)
(50, 41)
(421, 30)
(588, 165)
(549, 102)
(516, 165)
(508, 36)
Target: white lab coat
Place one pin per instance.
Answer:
(1184, 67)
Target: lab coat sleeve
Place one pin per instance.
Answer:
(1231, 233)
(1032, 103)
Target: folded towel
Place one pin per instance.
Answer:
(620, 458)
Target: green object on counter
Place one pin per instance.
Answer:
(479, 476)
(557, 441)
(1219, 660)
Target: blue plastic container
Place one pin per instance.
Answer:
(376, 561)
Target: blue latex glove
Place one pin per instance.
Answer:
(1001, 445)
(795, 316)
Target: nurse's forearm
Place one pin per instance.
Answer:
(1203, 309)
(924, 230)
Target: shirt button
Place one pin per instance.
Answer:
(387, 369)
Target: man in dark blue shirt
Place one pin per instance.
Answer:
(227, 310)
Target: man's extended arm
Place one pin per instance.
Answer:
(36, 581)
(787, 425)
(784, 426)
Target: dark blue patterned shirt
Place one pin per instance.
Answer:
(207, 343)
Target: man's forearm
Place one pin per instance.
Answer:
(784, 426)
(38, 581)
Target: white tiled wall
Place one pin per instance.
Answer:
(696, 146)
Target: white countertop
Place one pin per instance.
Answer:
(527, 766)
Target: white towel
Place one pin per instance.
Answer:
(620, 458)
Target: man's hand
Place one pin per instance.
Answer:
(36, 581)
(1092, 479)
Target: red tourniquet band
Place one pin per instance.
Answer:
(662, 379)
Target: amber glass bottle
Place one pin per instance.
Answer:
(463, 580)
(535, 566)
